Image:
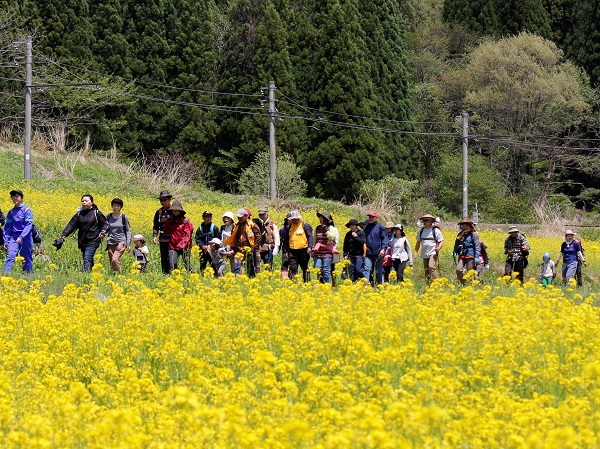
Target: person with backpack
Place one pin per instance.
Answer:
(285, 256)
(270, 241)
(483, 263)
(579, 272)
(91, 227)
(204, 234)
(387, 258)
(298, 243)
(178, 229)
(466, 249)
(516, 249)
(18, 237)
(2, 223)
(377, 243)
(354, 249)
(547, 270)
(245, 239)
(160, 217)
(430, 240)
(570, 252)
(118, 234)
(401, 252)
(326, 240)
(226, 230)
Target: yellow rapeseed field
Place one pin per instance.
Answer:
(194, 362)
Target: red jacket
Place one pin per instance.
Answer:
(181, 230)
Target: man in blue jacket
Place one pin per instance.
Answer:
(17, 234)
(377, 243)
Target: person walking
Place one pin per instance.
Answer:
(118, 234)
(430, 240)
(354, 249)
(298, 243)
(285, 256)
(516, 249)
(326, 240)
(204, 234)
(18, 237)
(179, 231)
(387, 263)
(226, 230)
(570, 252)
(91, 227)
(160, 217)
(140, 252)
(377, 242)
(547, 270)
(466, 249)
(400, 251)
(269, 248)
(245, 239)
(483, 263)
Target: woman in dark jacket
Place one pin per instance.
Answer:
(91, 226)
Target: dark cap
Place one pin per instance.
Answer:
(353, 221)
(164, 194)
(326, 215)
(206, 214)
(177, 206)
(118, 201)
(17, 192)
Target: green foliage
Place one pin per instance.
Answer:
(485, 185)
(507, 209)
(255, 179)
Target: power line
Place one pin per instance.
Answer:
(533, 144)
(365, 127)
(184, 89)
(323, 111)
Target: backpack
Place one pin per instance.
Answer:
(434, 227)
(263, 230)
(36, 234)
(269, 239)
(123, 216)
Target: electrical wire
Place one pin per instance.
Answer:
(184, 89)
(533, 144)
(323, 112)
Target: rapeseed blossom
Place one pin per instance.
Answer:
(232, 361)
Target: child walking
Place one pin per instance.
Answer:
(140, 251)
(547, 270)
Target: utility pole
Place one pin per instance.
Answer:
(272, 150)
(28, 82)
(465, 164)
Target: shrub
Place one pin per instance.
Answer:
(255, 179)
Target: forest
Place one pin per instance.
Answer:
(369, 94)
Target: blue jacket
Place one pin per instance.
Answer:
(19, 222)
(569, 251)
(467, 246)
(377, 238)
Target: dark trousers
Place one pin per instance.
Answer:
(514, 266)
(165, 262)
(299, 257)
(356, 267)
(399, 269)
(204, 261)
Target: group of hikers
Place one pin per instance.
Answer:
(372, 250)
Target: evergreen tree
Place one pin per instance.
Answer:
(342, 156)
(523, 15)
(63, 27)
(582, 43)
(385, 41)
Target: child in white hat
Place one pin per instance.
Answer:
(140, 251)
(216, 252)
